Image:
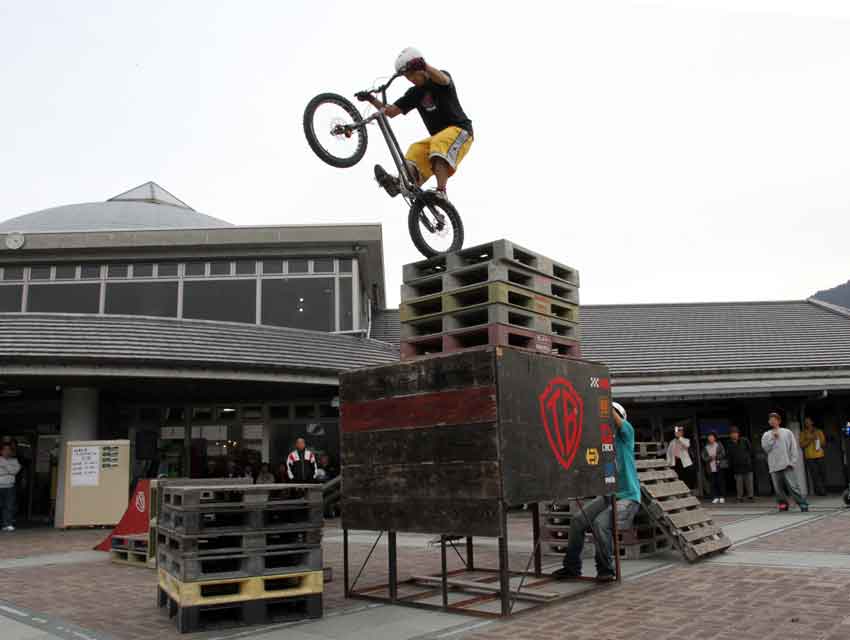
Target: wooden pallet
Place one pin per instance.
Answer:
(678, 513)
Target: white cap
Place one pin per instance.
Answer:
(619, 409)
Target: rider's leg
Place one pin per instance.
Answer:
(442, 171)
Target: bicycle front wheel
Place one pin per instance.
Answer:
(434, 225)
(325, 120)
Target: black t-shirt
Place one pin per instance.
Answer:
(437, 104)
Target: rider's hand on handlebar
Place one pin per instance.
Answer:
(417, 64)
(363, 96)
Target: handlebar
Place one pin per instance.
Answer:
(383, 88)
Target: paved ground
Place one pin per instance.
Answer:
(53, 586)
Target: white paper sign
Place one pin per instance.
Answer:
(85, 466)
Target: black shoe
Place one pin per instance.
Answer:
(565, 574)
(387, 182)
(606, 577)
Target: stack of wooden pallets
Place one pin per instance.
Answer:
(240, 554)
(493, 294)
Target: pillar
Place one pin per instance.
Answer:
(78, 422)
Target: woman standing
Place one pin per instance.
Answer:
(679, 456)
(714, 456)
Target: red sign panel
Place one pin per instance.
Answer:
(562, 414)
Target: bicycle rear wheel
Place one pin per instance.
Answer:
(434, 225)
(324, 117)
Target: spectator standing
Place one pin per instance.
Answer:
(301, 463)
(740, 456)
(813, 443)
(9, 468)
(265, 476)
(714, 456)
(782, 458)
(679, 456)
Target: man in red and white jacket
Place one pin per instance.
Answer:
(301, 463)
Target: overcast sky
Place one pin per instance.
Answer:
(671, 151)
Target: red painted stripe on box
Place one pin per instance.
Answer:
(460, 406)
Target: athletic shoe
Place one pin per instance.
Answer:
(722, 500)
(804, 508)
(440, 194)
(565, 574)
(387, 182)
(715, 501)
(9, 528)
(606, 577)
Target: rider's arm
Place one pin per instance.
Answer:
(436, 76)
(390, 110)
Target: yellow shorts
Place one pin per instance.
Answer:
(451, 144)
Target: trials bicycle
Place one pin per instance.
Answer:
(336, 132)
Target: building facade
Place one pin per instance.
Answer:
(202, 342)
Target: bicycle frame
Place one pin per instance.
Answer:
(409, 188)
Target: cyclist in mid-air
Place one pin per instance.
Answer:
(434, 95)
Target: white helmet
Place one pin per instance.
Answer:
(619, 409)
(405, 57)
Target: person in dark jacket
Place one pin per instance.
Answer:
(301, 463)
(740, 456)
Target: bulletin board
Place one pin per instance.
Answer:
(97, 479)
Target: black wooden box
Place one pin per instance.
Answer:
(445, 444)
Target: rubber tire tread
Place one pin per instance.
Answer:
(413, 224)
(309, 113)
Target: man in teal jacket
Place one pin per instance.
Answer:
(596, 514)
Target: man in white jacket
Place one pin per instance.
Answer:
(782, 458)
(9, 468)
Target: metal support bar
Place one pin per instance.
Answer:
(445, 575)
(535, 529)
(366, 561)
(470, 555)
(393, 565)
(504, 575)
(345, 563)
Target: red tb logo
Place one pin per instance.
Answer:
(562, 414)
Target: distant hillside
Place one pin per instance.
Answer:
(839, 295)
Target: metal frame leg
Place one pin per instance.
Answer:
(504, 576)
(470, 555)
(345, 577)
(445, 573)
(535, 529)
(392, 560)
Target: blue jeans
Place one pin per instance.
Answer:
(597, 512)
(8, 506)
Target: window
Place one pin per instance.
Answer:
(202, 414)
(142, 298)
(175, 416)
(328, 411)
(167, 270)
(220, 268)
(66, 272)
(10, 298)
(13, 273)
(224, 300)
(305, 411)
(40, 272)
(64, 298)
(143, 270)
(272, 266)
(279, 412)
(195, 269)
(304, 303)
(150, 415)
(117, 271)
(346, 305)
(252, 413)
(298, 265)
(227, 415)
(345, 265)
(323, 265)
(90, 272)
(246, 267)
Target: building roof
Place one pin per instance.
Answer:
(652, 339)
(680, 351)
(32, 341)
(386, 326)
(147, 206)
